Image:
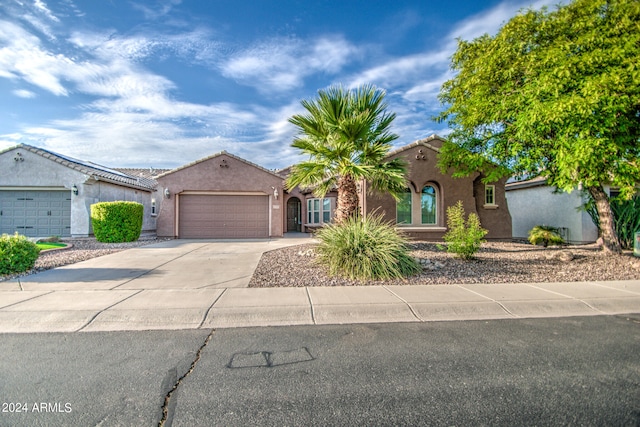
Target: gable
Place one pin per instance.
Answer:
(220, 172)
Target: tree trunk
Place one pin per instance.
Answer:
(610, 240)
(347, 199)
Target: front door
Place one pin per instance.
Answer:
(293, 215)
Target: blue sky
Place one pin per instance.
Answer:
(161, 83)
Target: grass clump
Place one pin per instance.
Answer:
(17, 254)
(463, 238)
(546, 235)
(365, 249)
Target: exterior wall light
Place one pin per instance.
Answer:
(275, 193)
(167, 193)
(74, 190)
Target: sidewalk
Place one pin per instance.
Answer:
(76, 310)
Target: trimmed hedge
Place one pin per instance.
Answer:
(17, 254)
(117, 222)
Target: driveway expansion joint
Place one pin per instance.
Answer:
(105, 309)
(156, 267)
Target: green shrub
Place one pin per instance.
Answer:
(365, 249)
(546, 235)
(116, 222)
(17, 254)
(463, 239)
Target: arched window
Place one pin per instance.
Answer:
(403, 208)
(428, 205)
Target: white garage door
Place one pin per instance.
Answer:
(35, 213)
(223, 216)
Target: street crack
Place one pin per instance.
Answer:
(169, 405)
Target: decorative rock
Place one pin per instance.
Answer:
(308, 252)
(564, 256)
(428, 264)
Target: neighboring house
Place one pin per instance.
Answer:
(43, 193)
(421, 212)
(221, 196)
(533, 202)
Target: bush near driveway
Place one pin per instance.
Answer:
(117, 222)
(365, 249)
(17, 254)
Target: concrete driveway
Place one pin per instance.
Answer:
(173, 264)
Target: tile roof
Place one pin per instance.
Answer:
(98, 172)
(214, 156)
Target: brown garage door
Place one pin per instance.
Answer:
(223, 216)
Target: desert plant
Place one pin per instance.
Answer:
(365, 248)
(546, 235)
(17, 253)
(463, 239)
(626, 218)
(116, 222)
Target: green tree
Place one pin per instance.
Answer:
(346, 134)
(553, 94)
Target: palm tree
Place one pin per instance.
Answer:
(346, 135)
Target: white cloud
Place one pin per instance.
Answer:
(283, 64)
(23, 93)
(42, 7)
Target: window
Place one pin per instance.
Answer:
(428, 205)
(403, 208)
(153, 207)
(319, 211)
(490, 195)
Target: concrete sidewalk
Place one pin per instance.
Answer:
(169, 286)
(120, 310)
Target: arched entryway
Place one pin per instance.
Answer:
(294, 215)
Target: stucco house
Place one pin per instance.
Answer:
(43, 193)
(422, 211)
(225, 196)
(221, 196)
(532, 202)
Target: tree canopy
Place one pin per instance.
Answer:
(346, 134)
(553, 94)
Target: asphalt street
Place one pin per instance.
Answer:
(551, 371)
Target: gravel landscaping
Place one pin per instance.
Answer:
(496, 262)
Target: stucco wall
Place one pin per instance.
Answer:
(36, 172)
(98, 191)
(422, 170)
(541, 206)
(222, 173)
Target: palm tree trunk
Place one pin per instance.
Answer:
(347, 199)
(610, 240)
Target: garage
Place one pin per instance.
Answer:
(223, 216)
(35, 213)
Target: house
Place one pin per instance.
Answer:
(532, 202)
(221, 196)
(421, 212)
(43, 193)
(225, 196)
